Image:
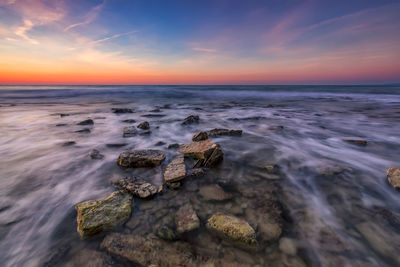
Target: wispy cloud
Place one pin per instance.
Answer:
(22, 31)
(90, 17)
(202, 49)
(111, 37)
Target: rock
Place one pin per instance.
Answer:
(214, 193)
(196, 172)
(207, 151)
(218, 132)
(138, 187)
(61, 124)
(95, 154)
(288, 246)
(97, 216)
(145, 132)
(88, 258)
(166, 233)
(116, 145)
(186, 219)
(129, 121)
(129, 131)
(69, 143)
(276, 128)
(173, 146)
(122, 110)
(159, 143)
(233, 229)
(191, 119)
(360, 142)
(200, 136)
(153, 115)
(175, 170)
(175, 185)
(267, 220)
(144, 125)
(86, 130)
(64, 115)
(393, 176)
(331, 169)
(141, 158)
(148, 251)
(86, 122)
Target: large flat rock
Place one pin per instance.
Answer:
(141, 158)
(175, 170)
(97, 216)
(210, 153)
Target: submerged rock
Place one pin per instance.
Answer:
(148, 251)
(116, 145)
(122, 110)
(95, 154)
(360, 142)
(175, 170)
(61, 124)
(186, 219)
(191, 119)
(173, 146)
(129, 131)
(167, 233)
(393, 176)
(69, 143)
(138, 187)
(195, 172)
(145, 132)
(144, 125)
(129, 121)
(207, 151)
(97, 216)
(214, 193)
(159, 143)
(86, 122)
(141, 158)
(86, 130)
(233, 229)
(218, 132)
(200, 136)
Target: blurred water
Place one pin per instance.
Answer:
(329, 216)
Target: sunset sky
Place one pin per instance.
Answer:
(199, 42)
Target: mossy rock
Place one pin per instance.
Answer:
(97, 216)
(236, 230)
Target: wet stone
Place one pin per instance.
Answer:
(122, 110)
(145, 132)
(207, 151)
(138, 187)
(233, 229)
(175, 170)
(141, 158)
(359, 142)
(86, 122)
(86, 130)
(116, 145)
(173, 146)
(129, 121)
(61, 124)
(214, 193)
(219, 132)
(195, 172)
(393, 176)
(129, 131)
(97, 216)
(95, 154)
(167, 233)
(191, 119)
(149, 250)
(186, 219)
(69, 143)
(144, 125)
(200, 136)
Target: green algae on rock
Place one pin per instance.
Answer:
(234, 229)
(97, 216)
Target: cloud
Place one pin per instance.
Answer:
(22, 31)
(90, 17)
(201, 49)
(111, 37)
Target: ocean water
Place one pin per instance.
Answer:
(335, 204)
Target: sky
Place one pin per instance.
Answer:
(199, 42)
